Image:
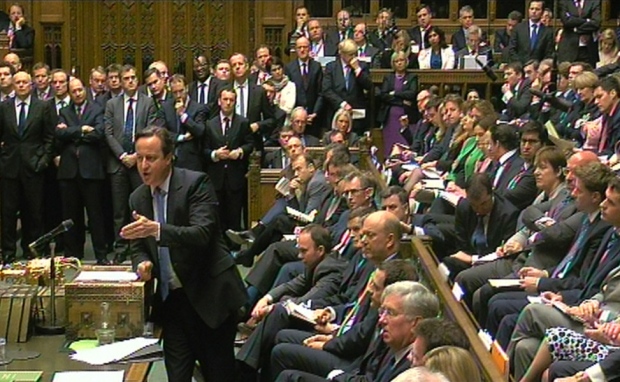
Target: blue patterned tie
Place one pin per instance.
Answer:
(534, 37)
(479, 239)
(562, 269)
(22, 118)
(128, 130)
(165, 266)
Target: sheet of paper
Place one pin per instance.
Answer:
(366, 59)
(431, 174)
(113, 352)
(450, 197)
(436, 184)
(487, 258)
(290, 237)
(283, 186)
(106, 276)
(409, 166)
(551, 130)
(81, 376)
(358, 113)
(504, 283)
(535, 299)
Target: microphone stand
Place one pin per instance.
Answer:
(51, 327)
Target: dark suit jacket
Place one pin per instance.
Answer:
(355, 341)
(484, 50)
(315, 192)
(408, 93)
(318, 282)
(459, 41)
(239, 136)
(31, 152)
(334, 87)
(114, 122)
(188, 153)
(197, 250)
(416, 37)
(501, 225)
(81, 154)
(613, 131)
(575, 24)
(23, 38)
(520, 43)
(597, 272)
(583, 260)
(379, 41)
(333, 36)
(214, 86)
(501, 44)
(370, 51)
(307, 95)
(522, 190)
(518, 106)
(259, 110)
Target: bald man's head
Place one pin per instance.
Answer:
(14, 60)
(380, 236)
(577, 160)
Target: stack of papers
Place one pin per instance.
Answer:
(283, 187)
(504, 283)
(118, 351)
(300, 216)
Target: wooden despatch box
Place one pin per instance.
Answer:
(83, 308)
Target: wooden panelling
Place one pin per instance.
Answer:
(140, 31)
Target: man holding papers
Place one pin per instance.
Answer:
(175, 237)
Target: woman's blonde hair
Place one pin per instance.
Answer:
(457, 364)
(399, 54)
(337, 115)
(608, 34)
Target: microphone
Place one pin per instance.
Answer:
(63, 227)
(487, 70)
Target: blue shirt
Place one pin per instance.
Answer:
(435, 60)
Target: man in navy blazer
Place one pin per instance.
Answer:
(81, 173)
(531, 40)
(205, 89)
(186, 119)
(607, 95)
(307, 75)
(227, 146)
(581, 22)
(27, 136)
(346, 83)
(176, 238)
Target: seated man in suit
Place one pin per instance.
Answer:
(432, 333)
(308, 189)
(186, 120)
(280, 158)
(381, 38)
(601, 292)
(346, 83)
(344, 28)
(320, 278)
(475, 46)
(402, 303)
(364, 49)
(502, 36)
(299, 120)
(320, 46)
(484, 220)
(570, 371)
(460, 37)
(516, 92)
(607, 97)
(79, 136)
(21, 35)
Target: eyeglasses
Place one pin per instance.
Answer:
(390, 313)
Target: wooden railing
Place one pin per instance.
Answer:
(494, 369)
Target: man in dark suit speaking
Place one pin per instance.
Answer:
(175, 237)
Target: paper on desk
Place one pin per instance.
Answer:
(431, 174)
(535, 299)
(113, 352)
(358, 113)
(504, 283)
(433, 184)
(106, 276)
(81, 376)
(487, 258)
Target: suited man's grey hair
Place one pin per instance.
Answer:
(417, 301)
